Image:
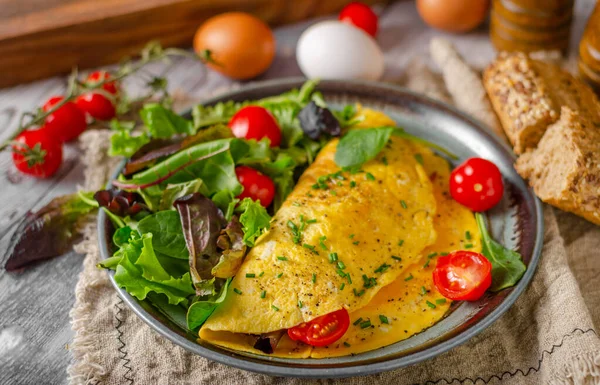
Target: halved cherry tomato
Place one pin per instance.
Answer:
(36, 153)
(323, 330)
(96, 105)
(66, 123)
(462, 275)
(477, 184)
(257, 186)
(100, 76)
(361, 16)
(254, 122)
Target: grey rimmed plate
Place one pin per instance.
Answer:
(516, 222)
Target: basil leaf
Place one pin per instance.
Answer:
(164, 123)
(200, 310)
(168, 238)
(507, 265)
(254, 219)
(361, 145)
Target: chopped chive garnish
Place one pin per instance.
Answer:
(315, 186)
(300, 304)
(341, 265)
(333, 192)
(426, 265)
(396, 258)
(237, 291)
(384, 160)
(358, 293)
(403, 204)
(309, 195)
(322, 243)
(423, 290)
(307, 246)
(333, 257)
(282, 258)
(401, 242)
(419, 158)
(274, 308)
(440, 301)
(357, 321)
(292, 225)
(314, 278)
(263, 294)
(250, 275)
(382, 268)
(296, 204)
(369, 176)
(468, 235)
(351, 236)
(365, 324)
(431, 305)
(369, 282)
(342, 286)
(431, 255)
(339, 184)
(469, 246)
(341, 273)
(310, 221)
(383, 319)
(279, 275)
(346, 344)
(355, 242)
(352, 184)
(444, 253)
(409, 277)
(261, 274)
(349, 278)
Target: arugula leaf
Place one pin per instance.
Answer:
(361, 145)
(122, 143)
(254, 219)
(164, 123)
(200, 310)
(167, 238)
(507, 265)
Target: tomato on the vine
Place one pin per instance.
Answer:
(360, 16)
(462, 275)
(254, 122)
(66, 123)
(257, 186)
(96, 105)
(97, 77)
(477, 184)
(323, 330)
(36, 153)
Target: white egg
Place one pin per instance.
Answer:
(336, 50)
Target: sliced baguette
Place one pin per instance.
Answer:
(564, 169)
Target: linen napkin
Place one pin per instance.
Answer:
(547, 337)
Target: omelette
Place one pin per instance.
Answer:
(364, 239)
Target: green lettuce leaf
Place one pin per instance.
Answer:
(122, 143)
(167, 234)
(164, 123)
(219, 113)
(175, 191)
(200, 310)
(254, 219)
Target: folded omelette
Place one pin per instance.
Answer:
(386, 222)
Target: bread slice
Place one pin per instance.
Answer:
(528, 94)
(564, 170)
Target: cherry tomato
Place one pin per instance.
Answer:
(96, 105)
(462, 275)
(477, 184)
(323, 330)
(37, 153)
(257, 186)
(361, 16)
(66, 123)
(254, 122)
(100, 76)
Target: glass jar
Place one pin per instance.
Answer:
(589, 50)
(531, 25)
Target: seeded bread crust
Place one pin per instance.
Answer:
(564, 170)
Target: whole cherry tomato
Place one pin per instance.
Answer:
(361, 16)
(96, 105)
(257, 186)
(254, 122)
(477, 184)
(462, 275)
(36, 153)
(100, 76)
(323, 330)
(66, 123)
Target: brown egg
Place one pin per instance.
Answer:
(453, 15)
(242, 45)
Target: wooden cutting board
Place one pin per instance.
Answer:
(40, 38)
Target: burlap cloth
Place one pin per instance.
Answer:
(547, 337)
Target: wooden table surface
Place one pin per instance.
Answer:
(34, 306)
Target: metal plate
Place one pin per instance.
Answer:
(516, 222)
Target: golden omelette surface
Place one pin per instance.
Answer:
(362, 218)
